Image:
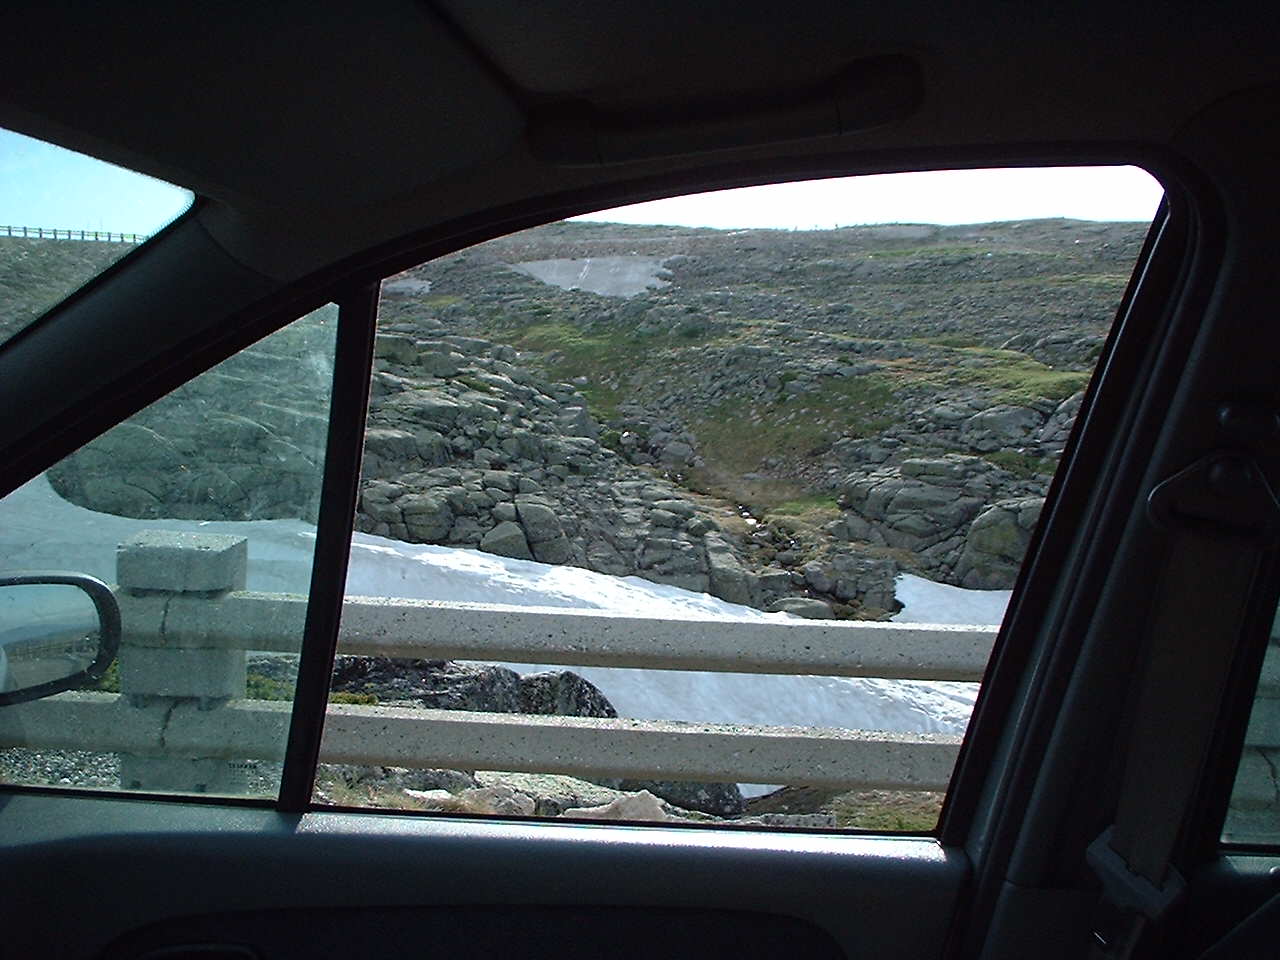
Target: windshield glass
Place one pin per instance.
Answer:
(66, 217)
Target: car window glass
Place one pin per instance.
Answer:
(66, 217)
(1253, 815)
(662, 504)
(210, 492)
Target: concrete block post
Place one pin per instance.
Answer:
(160, 673)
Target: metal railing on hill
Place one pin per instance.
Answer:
(57, 233)
(182, 671)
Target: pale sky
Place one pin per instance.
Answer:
(46, 186)
(952, 196)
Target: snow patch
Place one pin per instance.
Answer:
(924, 601)
(623, 276)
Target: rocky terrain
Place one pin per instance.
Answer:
(810, 412)
(444, 685)
(36, 274)
(782, 419)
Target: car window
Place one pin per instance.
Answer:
(189, 508)
(711, 520)
(64, 218)
(1253, 815)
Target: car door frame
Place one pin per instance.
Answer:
(850, 869)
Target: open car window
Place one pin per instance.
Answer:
(66, 217)
(685, 514)
(657, 522)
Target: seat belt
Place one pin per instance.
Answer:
(1223, 517)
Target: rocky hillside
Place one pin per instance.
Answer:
(783, 419)
(840, 404)
(36, 274)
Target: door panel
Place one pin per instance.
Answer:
(121, 864)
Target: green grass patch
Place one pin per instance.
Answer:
(813, 509)
(888, 811)
(346, 696)
(257, 687)
(604, 357)
(260, 687)
(110, 681)
(952, 251)
(736, 438)
(1019, 378)
(1024, 465)
(438, 301)
(952, 340)
(607, 355)
(804, 505)
(741, 437)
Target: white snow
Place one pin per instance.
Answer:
(620, 276)
(40, 530)
(924, 601)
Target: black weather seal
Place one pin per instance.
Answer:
(357, 321)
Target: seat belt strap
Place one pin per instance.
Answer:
(1223, 517)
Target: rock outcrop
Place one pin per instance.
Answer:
(922, 374)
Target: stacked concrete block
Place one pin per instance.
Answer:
(162, 672)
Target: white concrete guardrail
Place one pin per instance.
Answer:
(181, 720)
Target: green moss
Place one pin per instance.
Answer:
(1019, 378)
(1023, 465)
(601, 356)
(812, 507)
(951, 252)
(740, 437)
(260, 687)
(952, 340)
(438, 301)
(110, 681)
(344, 696)
(736, 438)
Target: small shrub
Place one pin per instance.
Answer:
(110, 681)
(346, 696)
(260, 687)
(1024, 465)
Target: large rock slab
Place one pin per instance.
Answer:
(997, 543)
(507, 540)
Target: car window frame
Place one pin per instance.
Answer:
(980, 829)
(374, 266)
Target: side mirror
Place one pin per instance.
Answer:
(57, 631)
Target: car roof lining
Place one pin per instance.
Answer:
(268, 109)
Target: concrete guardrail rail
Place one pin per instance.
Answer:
(182, 720)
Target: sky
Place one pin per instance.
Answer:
(952, 196)
(46, 186)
